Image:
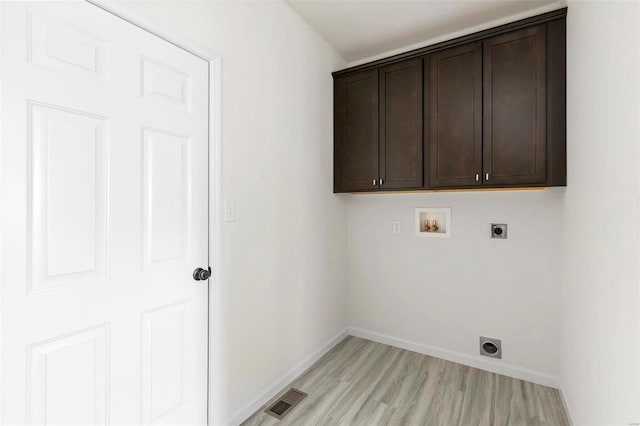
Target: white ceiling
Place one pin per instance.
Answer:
(360, 29)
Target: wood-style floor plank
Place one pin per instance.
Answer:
(360, 382)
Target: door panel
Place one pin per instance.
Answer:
(401, 125)
(104, 217)
(69, 371)
(68, 204)
(455, 133)
(356, 131)
(165, 186)
(515, 107)
(59, 45)
(162, 362)
(161, 82)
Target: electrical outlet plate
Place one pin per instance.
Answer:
(491, 347)
(499, 230)
(397, 227)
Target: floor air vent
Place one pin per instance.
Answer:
(285, 403)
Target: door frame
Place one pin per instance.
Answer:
(214, 60)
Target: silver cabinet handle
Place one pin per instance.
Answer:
(486, 176)
(374, 182)
(477, 177)
(381, 181)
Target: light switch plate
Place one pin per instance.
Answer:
(229, 211)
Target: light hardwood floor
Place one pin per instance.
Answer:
(360, 382)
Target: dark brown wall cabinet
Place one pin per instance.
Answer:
(401, 125)
(454, 94)
(356, 131)
(378, 128)
(515, 107)
(484, 110)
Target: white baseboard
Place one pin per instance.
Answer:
(566, 407)
(460, 358)
(267, 394)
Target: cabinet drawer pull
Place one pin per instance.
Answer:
(381, 181)
(374, 182)
(486, 176)
(477, 177)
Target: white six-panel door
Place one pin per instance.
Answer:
(104, 218)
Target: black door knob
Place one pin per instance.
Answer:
(201, 274)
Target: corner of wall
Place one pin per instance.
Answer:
(283, 382)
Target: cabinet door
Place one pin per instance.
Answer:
(401, 125)
(515, 108)
(455, 99)
(356, 132)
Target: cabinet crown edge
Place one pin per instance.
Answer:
(560, 13)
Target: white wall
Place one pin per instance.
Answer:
(283, 285)
(600, 369)
(446, 293)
